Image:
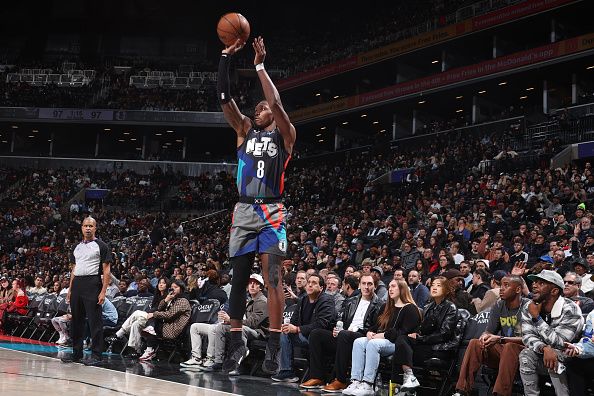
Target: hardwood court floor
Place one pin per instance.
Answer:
(32, 368)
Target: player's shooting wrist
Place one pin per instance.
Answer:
(259, 66)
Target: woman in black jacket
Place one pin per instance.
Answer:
(399, 316)
(438, 327)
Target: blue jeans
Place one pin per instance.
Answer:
(287, 342)
(366, 357)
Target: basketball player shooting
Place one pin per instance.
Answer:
(264, 147)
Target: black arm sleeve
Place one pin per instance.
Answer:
(223, 90)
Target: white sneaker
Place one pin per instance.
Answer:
(411, 383)
(61, 339)
(148, 354)
(354, 385)
(364, 389)
(192, 362)
(208, 362)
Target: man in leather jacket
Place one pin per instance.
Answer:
(359, 313)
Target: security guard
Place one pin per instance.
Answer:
(92, 258)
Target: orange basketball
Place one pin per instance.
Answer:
(233, 26)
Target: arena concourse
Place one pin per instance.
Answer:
(442, 171)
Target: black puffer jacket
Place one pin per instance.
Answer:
(438, 327)
(350, 307)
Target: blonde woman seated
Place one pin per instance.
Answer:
(399, 316)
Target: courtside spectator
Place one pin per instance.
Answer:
(399, 317)
(433, 339)
(359, 314)
(314, 311)
(548, 322)
(500, 345)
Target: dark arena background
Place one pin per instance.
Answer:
(442, 159)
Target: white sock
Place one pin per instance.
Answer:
(120, 333)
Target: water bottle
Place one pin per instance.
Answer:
(339, 325)
(287, 321)
(221, 320)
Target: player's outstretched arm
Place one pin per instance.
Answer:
(239, 122)
(287, 130)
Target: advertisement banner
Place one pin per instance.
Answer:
(464, 73)
(477, 23)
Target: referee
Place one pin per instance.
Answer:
(92, 258)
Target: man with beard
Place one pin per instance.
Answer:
(548, 322)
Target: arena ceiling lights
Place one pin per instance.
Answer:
(422, 101)
(502, 83)
(590, 67)
(459, 97)
(482, 92)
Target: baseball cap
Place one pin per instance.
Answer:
(378, 269)
(453, 273)
(484, 261)
(582, 206)
(548, 276)
(258, 278)
(3, 278)
(546, 258)
(499, 274)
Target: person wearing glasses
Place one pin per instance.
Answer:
(573, 283)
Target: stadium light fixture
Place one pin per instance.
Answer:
(170, 131)
(590, 67)
(126, 133)
(375, 122)
(503, 83)
(34, 130)
(138, 148)
(524, 97)
(482, 92)
(158, 134)
(107, 129)
(5, 141)
(318, 94)
(434, 62)
(336, 96)
(318, 135)
(15, 127)
(421, 101)
(49, 140)
(31, 136)
(121, 140)
(133, 139)
(459, 110)
(363, 115)
(383, 130)
(179, 140)
(345, 123)
(529, 88)
(459, 97)
(321, 140)
(323, 127)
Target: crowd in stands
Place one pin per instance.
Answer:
(460, 230)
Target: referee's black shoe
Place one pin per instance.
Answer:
(71, 359)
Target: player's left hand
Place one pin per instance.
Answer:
(260, 50)
(236, 46)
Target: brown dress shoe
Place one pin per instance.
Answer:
(313, 383)
(334, 387)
